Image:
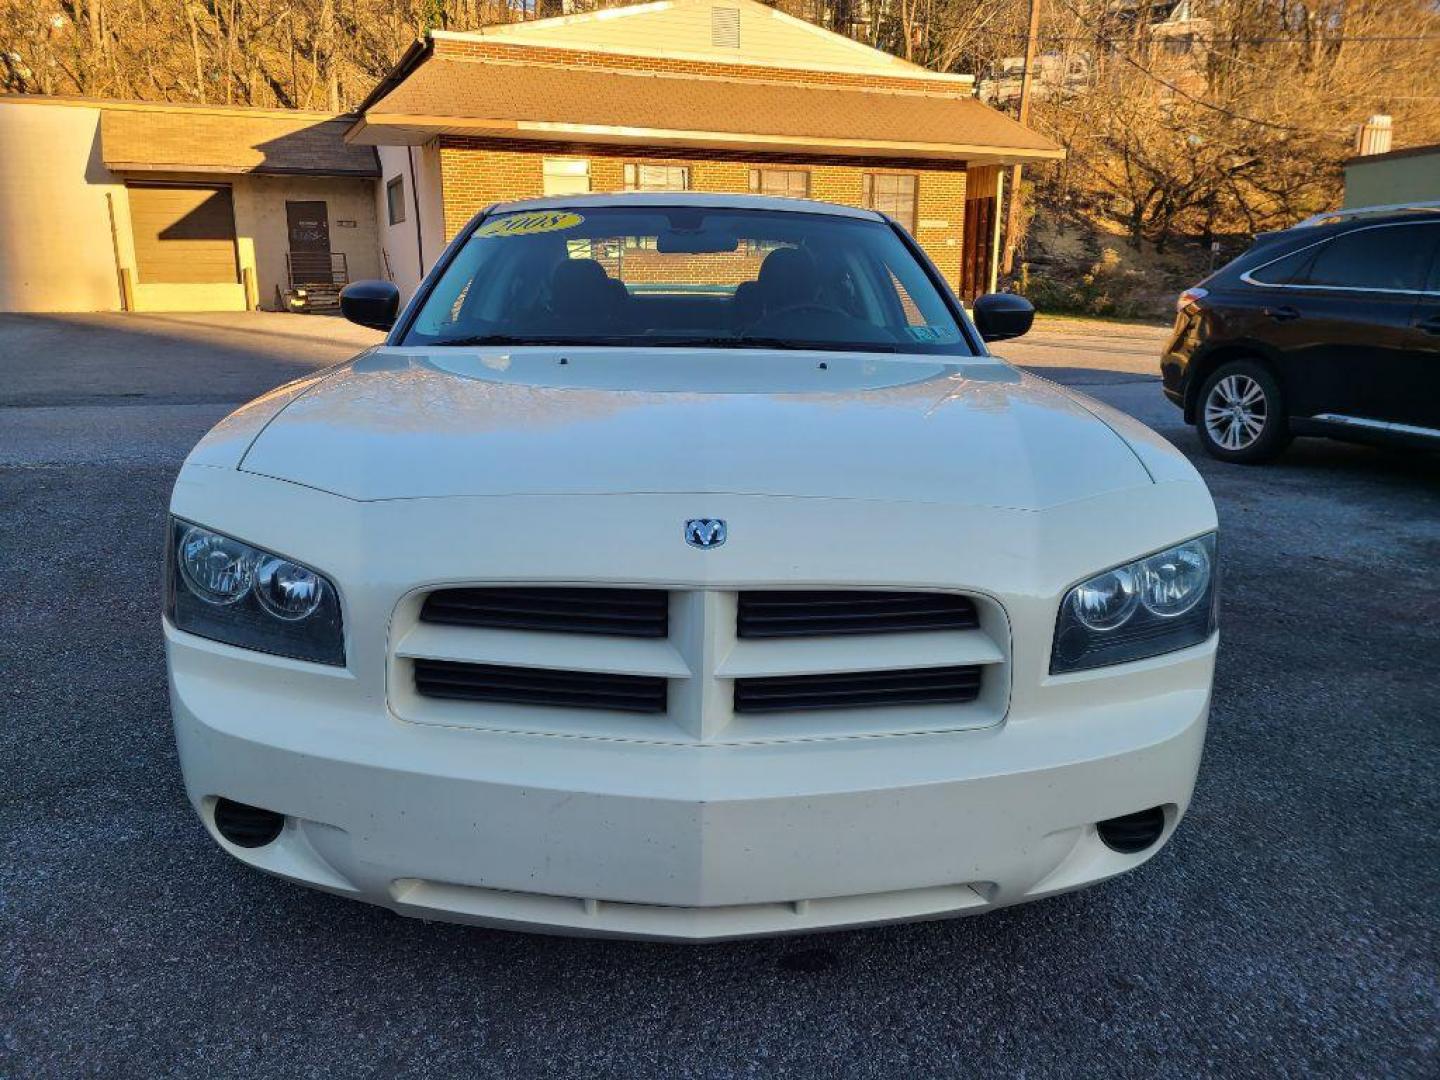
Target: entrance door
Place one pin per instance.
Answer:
(1353, 326)
(977, 240)
(309, 225)
(1424, 386)
(976, 247)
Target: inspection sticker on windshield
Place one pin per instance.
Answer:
(537, 221)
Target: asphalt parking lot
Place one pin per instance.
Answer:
(1290, 929)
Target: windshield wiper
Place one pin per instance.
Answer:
(527, 339)
(748, 341)
(742, 341)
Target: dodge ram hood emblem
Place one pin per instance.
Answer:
(705, 532)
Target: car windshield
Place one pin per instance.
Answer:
(677, 276)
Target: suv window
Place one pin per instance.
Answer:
(1392, 257)
(1284, 270)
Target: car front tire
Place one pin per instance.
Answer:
(1240, 415)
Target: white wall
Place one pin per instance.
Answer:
(56, 252)
(432, 201)
(56, 247)
(683, 28)
(420, 167)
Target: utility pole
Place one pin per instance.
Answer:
(1012, 215)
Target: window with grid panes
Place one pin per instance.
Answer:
(787, 183)
(566, 176)
(893, 194)
(641, 177)
(395, 199)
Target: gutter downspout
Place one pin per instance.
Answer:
(122, 281)
(415, 197)
(991, 279)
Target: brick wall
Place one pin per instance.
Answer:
(475, 173)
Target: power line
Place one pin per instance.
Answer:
(1211, 38)
(1202, 102)
(1191, 97)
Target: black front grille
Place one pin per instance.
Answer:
(539, 686)
(819, 612)
(857, 690)
(622, 612)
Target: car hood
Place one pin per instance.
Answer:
(427, 423)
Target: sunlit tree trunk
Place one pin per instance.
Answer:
(195, 53)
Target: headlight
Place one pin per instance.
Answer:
(1107, 600)
(288, 590)
(217, 569)
(226, 590)
(1153, 605)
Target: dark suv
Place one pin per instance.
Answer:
(1328, 328)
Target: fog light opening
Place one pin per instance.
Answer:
(1133, 833)
(247, 826)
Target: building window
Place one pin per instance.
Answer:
(893, 194)
(566, 176)
(395, 199)
(789, 183)
(656, 177)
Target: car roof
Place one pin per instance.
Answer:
(1269, 246)
(1373, 215)
(687, 198)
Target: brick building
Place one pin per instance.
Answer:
(697, 95)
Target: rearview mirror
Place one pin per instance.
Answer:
(702, 242)
(371, 303)
(999, 316)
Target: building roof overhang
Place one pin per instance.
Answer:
(432, 96)
(1430, 150)
(405, 130)
(190, 140)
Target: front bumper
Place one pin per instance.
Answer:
(604, 835)
(596, 838)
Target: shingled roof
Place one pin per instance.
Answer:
(180, 139)
(491, 98)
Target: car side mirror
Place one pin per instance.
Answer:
(999, 316)
(371, 303)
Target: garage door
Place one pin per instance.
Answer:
(183, 235)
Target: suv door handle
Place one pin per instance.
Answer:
(1282, 314)
(1430, 325)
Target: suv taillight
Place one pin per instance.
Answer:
(1189, 296)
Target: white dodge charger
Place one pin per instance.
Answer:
(684, 567)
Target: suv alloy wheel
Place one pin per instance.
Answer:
(1241, 416)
